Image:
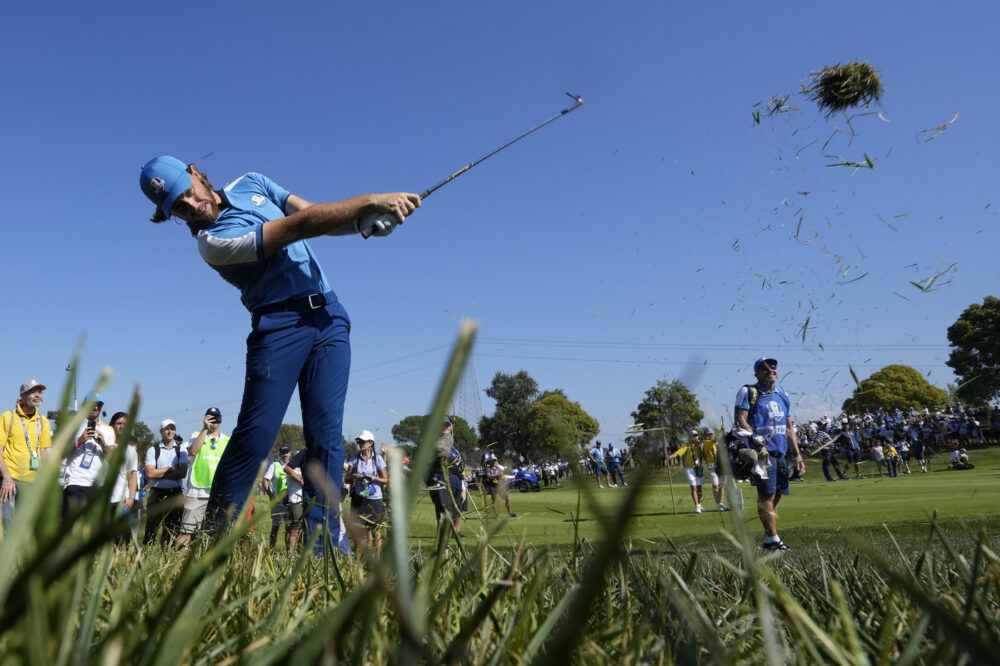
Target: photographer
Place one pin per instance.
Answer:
(367, 476)
(94, 440)
(203, 453)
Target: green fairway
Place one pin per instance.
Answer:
(814, 506)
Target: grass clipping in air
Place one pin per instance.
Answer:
(843, 86)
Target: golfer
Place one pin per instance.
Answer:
(253, 234)
(763, 409)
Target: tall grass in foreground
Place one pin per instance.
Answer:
(69, 596)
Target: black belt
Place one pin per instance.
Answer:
(298, 304)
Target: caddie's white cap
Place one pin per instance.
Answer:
(30, 384)
(365, 436)
(167, 422)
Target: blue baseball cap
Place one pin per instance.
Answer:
(762, 360)
(96, 397)
(162, 180)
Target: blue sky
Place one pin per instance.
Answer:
(653, 233)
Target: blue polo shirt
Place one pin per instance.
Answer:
(234, 246)
(769, 417)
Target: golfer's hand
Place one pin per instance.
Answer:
(398, 204)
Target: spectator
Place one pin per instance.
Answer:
(878, 456)
(614, 462)
(203, 452)
(94, 440)
(275, 483)
(959, 459)
(852, 446)
(596, 457)
(891, 459)
(127, 481)
(27, 438)
(694, 467)
(448, 491)
(367, 477)
(829, 453)
(295, 511)
(496, 485)
(164, 469)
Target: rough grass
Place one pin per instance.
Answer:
(925, 590)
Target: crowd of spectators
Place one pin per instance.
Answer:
(894, 439)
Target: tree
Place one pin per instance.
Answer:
(975, 353)
(557, 427)
(667, 413)
(513, 395)
(408, 433)
(895, 387)
(143, 438)
(290, 435)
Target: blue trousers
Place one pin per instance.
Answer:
(310, 349)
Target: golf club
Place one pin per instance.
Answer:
(369, 228)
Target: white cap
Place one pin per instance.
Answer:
(365, 436)
(167, 422)
(30, 384)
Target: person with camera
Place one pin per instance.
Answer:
(94, 439)
(27, 438)
(164, 469)
(367, 476)
(764, 409)
(202, 453)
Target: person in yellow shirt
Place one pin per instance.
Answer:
(26, 440)
(699, 456)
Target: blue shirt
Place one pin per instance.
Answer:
(769, 416)
(234, 247)
(597, 454)
(371, 468)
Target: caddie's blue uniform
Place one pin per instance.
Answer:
(769, 418)
(300, 336)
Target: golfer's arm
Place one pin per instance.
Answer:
(312, 220)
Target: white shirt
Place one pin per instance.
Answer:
(294, 487)
(130, 466)
(84, 462)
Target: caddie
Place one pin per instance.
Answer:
(27, 438)
(253, 233)
(763, 408)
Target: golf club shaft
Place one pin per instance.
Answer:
(577, 102)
